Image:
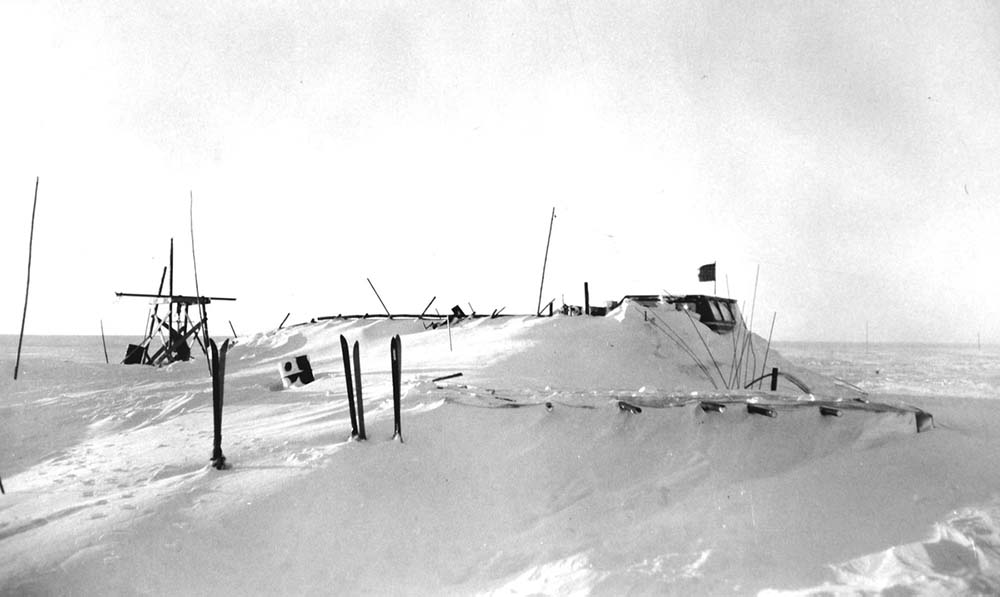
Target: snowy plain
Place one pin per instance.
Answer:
(523, 476)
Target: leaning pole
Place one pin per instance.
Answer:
(24, 315)
(545, 262)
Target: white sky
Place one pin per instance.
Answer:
(852, 151)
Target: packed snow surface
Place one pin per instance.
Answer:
(522, 476)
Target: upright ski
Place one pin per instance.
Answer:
(218, 382)
(350, 386)
(357, 386)
(396, 357)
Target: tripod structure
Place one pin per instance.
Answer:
(168, 337)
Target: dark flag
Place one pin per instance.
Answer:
(706, 273)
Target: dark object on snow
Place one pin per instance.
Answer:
(757, 409)
(625, 406)
(350, 386)
(135, 354)
(925, 421)
(1, 487)
(829, 411)
(457, 312)
(357, 388)
(218, 381)
(713, 407)
(396, 357)
(298, 372)
(444, 377)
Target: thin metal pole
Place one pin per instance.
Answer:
(538, 309)
(232, 328)
(24, 316)
(753, 308)
(105, 344)
(768, 349)
(201, 306)
(424, 312)
(707, 349)
(379, 298)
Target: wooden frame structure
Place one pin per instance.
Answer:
(174, 330)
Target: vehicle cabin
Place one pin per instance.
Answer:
(719, 314)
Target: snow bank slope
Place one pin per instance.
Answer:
(564, 494)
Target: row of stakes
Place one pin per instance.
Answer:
(924, 420)
(301, 373)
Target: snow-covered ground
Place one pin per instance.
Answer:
(522, 476)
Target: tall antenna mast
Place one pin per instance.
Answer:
(538, 309)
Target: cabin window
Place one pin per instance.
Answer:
(727, 314)
(716, 314)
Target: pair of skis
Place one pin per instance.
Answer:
(357, 409)
(357, 414)
(218, 379)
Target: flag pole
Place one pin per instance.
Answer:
(24, 315)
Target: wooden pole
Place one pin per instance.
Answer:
(170, 306)
(232, 328)
(24, 315)
(156, 307)
(538, 309)
(379, 298)
(586, 299)
(282, 324)
(104, 343)
(449, 333)
(424, 312)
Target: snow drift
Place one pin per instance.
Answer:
(522, 476)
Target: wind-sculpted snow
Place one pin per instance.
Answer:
(524, 475)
